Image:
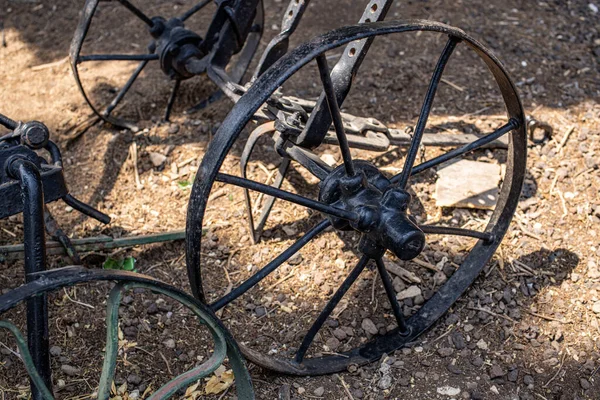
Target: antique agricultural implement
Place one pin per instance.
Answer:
(28, 181)
(368, 201)
(371, 210)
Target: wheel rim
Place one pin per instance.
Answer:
(105, 112)
(441, 301)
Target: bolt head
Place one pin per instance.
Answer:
(34, 134)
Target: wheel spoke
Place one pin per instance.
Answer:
(283, 195)
(334, 110)
(504, 129)
(270, 267)
(391, 295)
(125, 88)
(172, 99)
(118, 57)
(329, 307)
(194, 10)
(425, 110)
(447, 230)
(137, 12)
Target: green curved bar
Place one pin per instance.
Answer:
(222, 348)
(27, 360)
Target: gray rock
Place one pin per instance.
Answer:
(496, 372)
(585, 384)
(528, 380)
(169, 343)
(385, 382)
(70, 370)
(513, 375)
(134, 379)
(333, 343)
(445, 351)
(369, 326)
(173, 129)
(319, 391)
(55, 351)
(260, 311)
(340, 334)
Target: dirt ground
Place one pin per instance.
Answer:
(527, 329)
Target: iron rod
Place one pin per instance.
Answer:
(137, 12)
(85, 209)
(113, 104)
(504, 129)
(35, 261)
(8, 123)
(270, 267)
(334, 110)
(172, 99)
(118, 57)
(291, 197)
(447, 230)
(194, 10)
(329, 307)
(391, 295)
(425, 110)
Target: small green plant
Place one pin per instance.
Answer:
(126, 264)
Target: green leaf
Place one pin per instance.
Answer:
(184, 184)
(129, 264)
(111, 263)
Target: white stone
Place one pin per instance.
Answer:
(448, 390)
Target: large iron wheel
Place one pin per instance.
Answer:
(355, 196)
(47, 282)
(110, 112)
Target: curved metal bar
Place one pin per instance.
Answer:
(278, 46)
(35, 377)
(256, 134)
(425, 110)
(443, 299)
(288, 196)
(224, 343)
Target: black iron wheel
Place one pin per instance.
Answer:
(357, 198)
(108, 106)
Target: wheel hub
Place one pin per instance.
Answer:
(175, 45)
(382, 211)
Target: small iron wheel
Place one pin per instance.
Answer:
(373, 211)
(171, 42)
